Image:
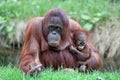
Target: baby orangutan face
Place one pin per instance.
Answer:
(80, 41)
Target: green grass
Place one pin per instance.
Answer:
(86, 12)
(24, 9)
(9, 73)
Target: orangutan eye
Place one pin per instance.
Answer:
(83, 43)
(57, 28)
(51, 28)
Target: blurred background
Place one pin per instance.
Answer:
(100, 17)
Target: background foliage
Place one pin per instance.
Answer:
(86, 12)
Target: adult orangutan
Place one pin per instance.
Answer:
(86, 54)
(46, 42)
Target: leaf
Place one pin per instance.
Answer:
(3, 33)
(95, 19)
(85, 17)
(9, 29)
(1, 27)
(88, 26)
(10, 35)
(100, 14)
(2, 20)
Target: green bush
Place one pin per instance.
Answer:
(86, 12)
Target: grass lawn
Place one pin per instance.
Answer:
(9, 73)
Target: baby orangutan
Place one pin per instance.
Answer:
(80, 48)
